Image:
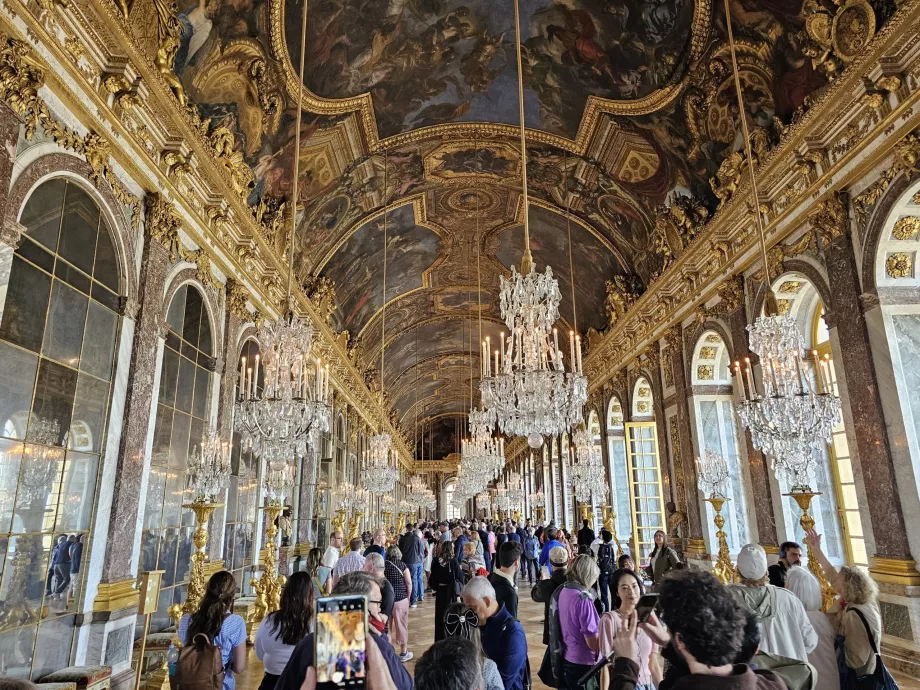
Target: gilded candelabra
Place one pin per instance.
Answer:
(803, 496)
(586, 513)
(338, 522)
(723, 568)
(610, 524)
(196, 581)
(354, 525)
(387, 520)
(268, 587)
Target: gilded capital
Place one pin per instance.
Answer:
(830, 217)
(20, 80)
(162, 223)
(237, 296)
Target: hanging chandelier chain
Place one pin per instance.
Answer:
(747, 145)
(383, 314)
(303, 52)
(568, 223)
(527, 260)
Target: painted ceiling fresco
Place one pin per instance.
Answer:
(420, 75)
(426, 62)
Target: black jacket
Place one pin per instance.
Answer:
(413, 551)
(585, 536)
(542, 592)
(505, 593)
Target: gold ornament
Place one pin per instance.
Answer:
(197, 581)
(268, 587)
(899, 265)
(906, 228)
(803, 496)
(723, 569)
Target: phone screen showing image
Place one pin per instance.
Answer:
(646, 605)
(341, 634)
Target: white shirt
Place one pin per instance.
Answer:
(330, 557)
(784, 623)
(270, 649)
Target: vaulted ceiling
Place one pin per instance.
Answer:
(412, 105)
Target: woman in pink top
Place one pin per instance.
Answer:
(626, 588)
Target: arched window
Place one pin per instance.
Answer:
(644, 470)
(181, 424)
(716, 431)
(58, 338)
(797, 296)
(453, 513)
(599, 496)
(619, 475)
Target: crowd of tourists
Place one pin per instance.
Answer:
(774, 628)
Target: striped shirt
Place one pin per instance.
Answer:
(232, 634)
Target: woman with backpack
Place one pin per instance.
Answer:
(214, 640)
(446, 581)
(281, 630)
(606, 561)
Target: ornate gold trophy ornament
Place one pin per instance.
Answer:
(268, 587)
(610, 524)
(196, 581)
(723, 568)
(713, 475)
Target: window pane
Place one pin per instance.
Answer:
(36, 254)
(53, 404)
(202, 379)
(191, 324)
(167, 560)
(36, 501)
(168, 375)
(88, 426)
(99, 340)
(176, 314)
(161, 435)
(153, 504)
(106, 268)
(17, 379)
(150, 541)
(52, 652)
(78, 492)
(42, 213)
(66, 321)
(10, 461)
(16, 649)
(74, 278)
(178, 446)
(186, 385)
(78, 229)
(26, 303)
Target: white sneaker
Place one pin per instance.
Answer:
(406, 657)
(413, 606)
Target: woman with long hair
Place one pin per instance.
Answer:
(626, 588)
(318, 574)
(662, 560)
(446, 581)
(215, 619)
(460, 621)
(281, 630)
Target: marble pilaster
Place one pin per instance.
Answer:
(10, 124)
(132, 451)
(870, 432)
(761, 489)
(684, 449)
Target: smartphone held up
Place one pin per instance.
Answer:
(341, 636)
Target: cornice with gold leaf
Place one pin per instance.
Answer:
(363, 105)
(243, 234)
(727, 245)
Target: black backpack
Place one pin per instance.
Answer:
(605, 559)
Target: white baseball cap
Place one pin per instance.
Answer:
(752, 562)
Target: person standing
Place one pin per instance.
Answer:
(551, 543)
(502, 578)
(460, 540)
(62, 569)
(281, 630)
(214, 619)
(375, 565)
(378, 543)
(413, 555)
(397, 574)
(790, 554)
(331, 557)
(503, 638)
(50, 582)
(806, 587)
(493, 547)
(576, 620)
(484, 538)
(459, 621)
(585, 534)
(530, 555)
(351, 562)
(627, 589)
(785, 626)
(607, 565)
(446, 580)
(662, 559)
(543, 592)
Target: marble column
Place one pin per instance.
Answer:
(870, 432)
(120, 564)
(759, 470)
(10, 125)
(684, 448)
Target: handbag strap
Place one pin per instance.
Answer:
(866, 626)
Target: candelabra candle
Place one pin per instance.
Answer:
(713, 474)
(209, 468)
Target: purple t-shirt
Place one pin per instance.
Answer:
(578, 619)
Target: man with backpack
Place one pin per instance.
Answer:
(531, 554)
(607, 562)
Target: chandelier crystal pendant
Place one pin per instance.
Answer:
(379, 475)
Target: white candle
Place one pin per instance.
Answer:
(555, 342)
(818, 383)
(255, 378)
(750, 378)
(572, 350)
(798, 373)
(326, 388)
(243, 378)
(739, 380)
(488, 350)
(249, 385)
(578, 351)
(496, 363)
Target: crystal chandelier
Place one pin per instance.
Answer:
(529, 392)
(588, 476)
(379, 475)
(483, 501)
(209, 469)
(789, 419)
